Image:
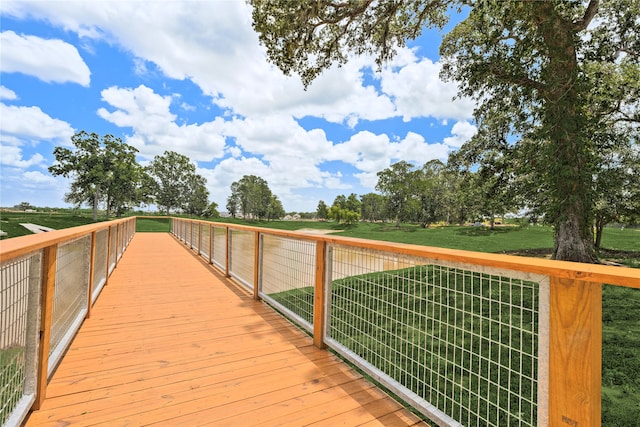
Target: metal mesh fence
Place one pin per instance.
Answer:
(20, 279)
(205, 240)
(219, 246)
(288, 276)
(195, 233)
(100, 263)
(463, 341)
(70, 296)
(187, 233)
(241, 256)
(121, 240)
(112, 248)
(178, 228)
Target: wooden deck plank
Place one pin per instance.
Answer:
(172, 342)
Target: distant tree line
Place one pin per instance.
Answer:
(104, 172)
(477, 185)
(486, 179)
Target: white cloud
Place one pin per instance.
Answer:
(12, 156)
(8, 94)
(417, 91)
(36, 178)
(462, 132)
(154, 127)
(48, 60)
(371, 153)
(365, 150)
(31, 124)
(367, 179)
(35, 187)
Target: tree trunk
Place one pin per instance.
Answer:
(573, 242)
(599, 229)
(96, 197)
(568, 155)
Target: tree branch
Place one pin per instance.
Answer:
(591, 11)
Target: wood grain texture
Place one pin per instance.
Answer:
(172, 342)
(575, 346)
(49, 263)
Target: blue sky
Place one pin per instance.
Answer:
(190, 76)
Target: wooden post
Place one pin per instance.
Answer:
(318, 299)
(256, 266)
(575, 353)
(49, 263)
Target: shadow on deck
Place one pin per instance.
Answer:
(170, 341)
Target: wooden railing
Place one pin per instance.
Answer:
(49, 283)
(568, 311)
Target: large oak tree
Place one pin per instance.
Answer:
(175, 183)
(525, 57)
(102, 169)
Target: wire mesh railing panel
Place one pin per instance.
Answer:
(70, 295)
(185, 229)
(120, 240)
(175, 227)
(219, 246)
(112, 248)
(100, 263)
(187, 233)
(205, 240)
(19, 301)
(288, 275)
(195, 236)
(178, 228)
(462, 341)
(241, 256)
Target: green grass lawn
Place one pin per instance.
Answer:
(10, 221)
(155, 225)
(482, 239)
(12, 366)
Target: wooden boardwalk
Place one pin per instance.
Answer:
(171, 342)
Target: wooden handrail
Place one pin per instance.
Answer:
(18, 246)
(594, 273)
